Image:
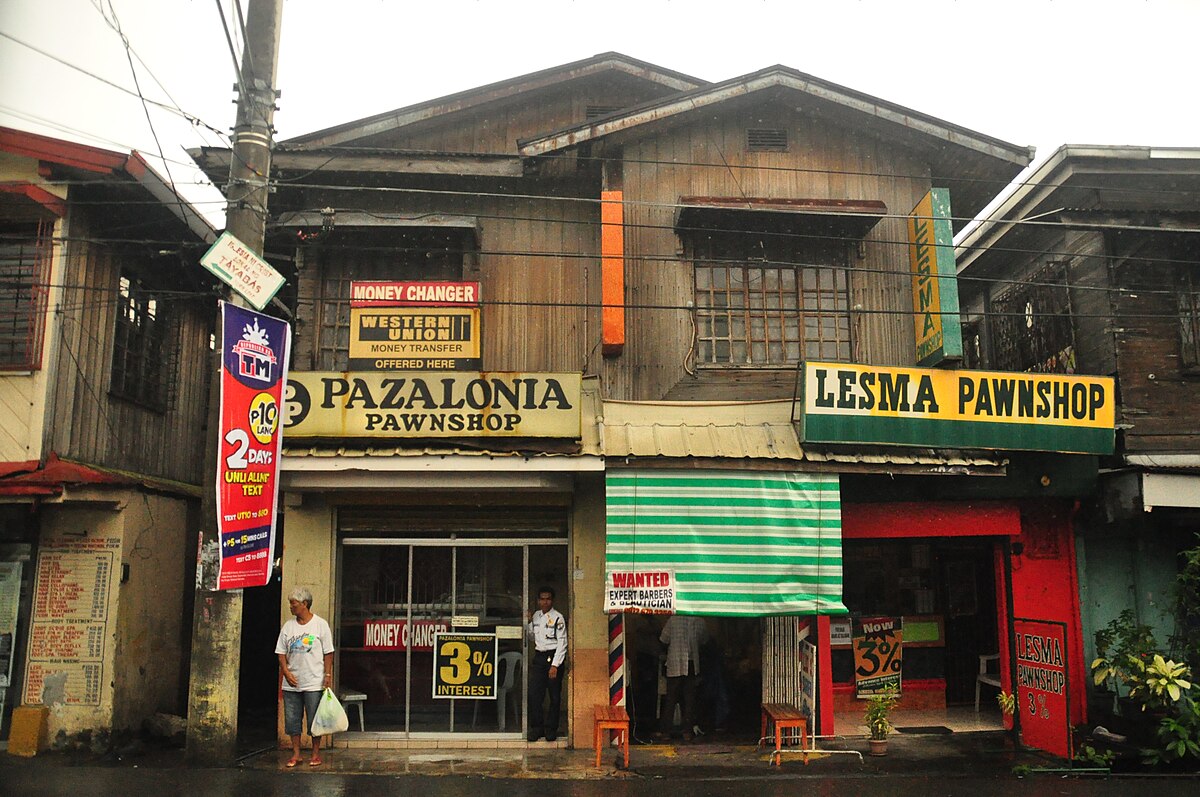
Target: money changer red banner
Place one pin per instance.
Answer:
(254, 356)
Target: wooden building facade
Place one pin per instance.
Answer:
(685, 246)
(104, 345)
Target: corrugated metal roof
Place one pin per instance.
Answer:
(747, 430)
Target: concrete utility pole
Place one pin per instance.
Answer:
(217, 620)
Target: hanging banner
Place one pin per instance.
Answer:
(640, 592)
(254, 357)
(1043, 700)
(878, 643)
(934, 280)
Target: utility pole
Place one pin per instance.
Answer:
(217, 618)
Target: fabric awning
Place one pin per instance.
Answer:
(741, 543)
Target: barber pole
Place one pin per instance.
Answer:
(616, 659)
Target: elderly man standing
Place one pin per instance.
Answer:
(305, 650)
(683, 636)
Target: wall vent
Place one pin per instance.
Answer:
(766, 139)
(596, 111)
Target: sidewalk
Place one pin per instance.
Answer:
(979, 754)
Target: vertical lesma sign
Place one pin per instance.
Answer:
(934, 282)
(1042, 697)
(254, 356)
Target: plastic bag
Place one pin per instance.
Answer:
(330, 717)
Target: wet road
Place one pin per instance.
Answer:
(127, 782)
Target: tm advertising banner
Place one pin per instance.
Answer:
(254, 356)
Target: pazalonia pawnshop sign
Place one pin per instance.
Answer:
(846, 403)
(448, 404)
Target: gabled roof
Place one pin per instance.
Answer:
(464, 100)
(1121, 179)
(972, 164)
(103, 165)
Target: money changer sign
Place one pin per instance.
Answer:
(447, 404)
(846, 403)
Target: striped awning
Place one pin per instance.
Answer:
(741, 543)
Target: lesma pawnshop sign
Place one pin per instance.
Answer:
(385, 404)
(957, 409)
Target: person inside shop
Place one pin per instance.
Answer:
(683, 636)
(548, 630)
(305, 650)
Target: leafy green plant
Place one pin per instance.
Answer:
(1187, 607)
(1178, 734)
(1090, 755)
(1008, 702)
(1160, 683)
(878, 708)
(1122, 649)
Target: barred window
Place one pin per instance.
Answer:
(1031, 324)
(142, 366)
(1189, 320)
(24, 276)
(765, 299)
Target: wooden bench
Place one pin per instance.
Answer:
(611, 718)
(781, 717)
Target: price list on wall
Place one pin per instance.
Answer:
(69, 629)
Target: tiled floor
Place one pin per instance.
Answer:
(957, 718)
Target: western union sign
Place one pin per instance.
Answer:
(420, 404)
(414, 338)
(958, 409)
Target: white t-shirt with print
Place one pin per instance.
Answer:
(305, 646)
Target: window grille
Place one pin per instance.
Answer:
(144, 348)
(1189, 320)
(24, 285)
(1032, 327)
(766, 139)
(419, 254)
(755, 311)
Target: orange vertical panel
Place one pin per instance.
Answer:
(612, 272)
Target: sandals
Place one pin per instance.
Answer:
(292, 762)
(316, 762)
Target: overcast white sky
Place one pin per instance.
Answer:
(1041, 72)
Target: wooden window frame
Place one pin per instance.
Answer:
(755, 311)
(1189, 322)
(143, 361)
(1032, 326)
(24, 291)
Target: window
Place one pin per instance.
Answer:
(1189, 320)
(1031, 325)
(24, 275)
(766, 299)
(142, 366)
(380, 254)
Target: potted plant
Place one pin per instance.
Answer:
(878, 725)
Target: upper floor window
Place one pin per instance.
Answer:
(24, 276)
(1031, 325)
(766, 299)
(143, 354)
(1189, 320)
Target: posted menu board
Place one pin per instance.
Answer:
(69, 631)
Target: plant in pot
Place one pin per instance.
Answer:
(879, 707)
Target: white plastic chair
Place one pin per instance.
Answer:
(510, 669)
(986, 676)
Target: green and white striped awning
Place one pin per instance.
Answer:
(741, 543)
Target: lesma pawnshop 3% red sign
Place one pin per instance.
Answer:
(433, 404)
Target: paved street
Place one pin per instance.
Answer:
(35, 781)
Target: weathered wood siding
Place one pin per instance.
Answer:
(824, 161)
(86, 422)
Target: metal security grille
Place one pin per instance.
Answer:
(767, 312)
(766, 139)
(24, 278)
(740, 544)
(1031, 325)
(1189, 320)
(144, 346)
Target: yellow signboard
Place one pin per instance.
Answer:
(382, 404)
(962, 409)
(934, 281)
(414, 338)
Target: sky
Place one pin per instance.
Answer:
(1030, 72)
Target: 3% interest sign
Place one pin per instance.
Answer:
(464, 665)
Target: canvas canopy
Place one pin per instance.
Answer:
(742, 544)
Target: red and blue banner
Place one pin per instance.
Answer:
(254, 357)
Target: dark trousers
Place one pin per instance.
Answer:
(687, 687)
(541, 685)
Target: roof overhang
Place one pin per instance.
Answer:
(840, 218)
(286, 159)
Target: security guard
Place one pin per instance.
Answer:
(548, 630)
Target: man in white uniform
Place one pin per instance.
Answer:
(548, 630)
(305, 650)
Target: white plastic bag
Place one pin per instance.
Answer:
(331, 717)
